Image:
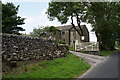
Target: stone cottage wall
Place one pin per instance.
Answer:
(21, 48)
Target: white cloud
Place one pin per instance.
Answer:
(28, 26)
(43, 20)
(28, 20)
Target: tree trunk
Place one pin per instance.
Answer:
(74, 26)
(78, 22)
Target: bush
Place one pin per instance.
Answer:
(71, 48)
(61, 42)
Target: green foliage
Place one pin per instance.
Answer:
(71, 48)
(39, 32)
(36, 32)
(66, 67)
(64, 10)
(106, 53)
(10, 20)
(0, 16)
(105, 19)
(61, 42)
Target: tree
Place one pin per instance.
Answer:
(45, 32)
(105, 21)
(104, 17)
(118, 20)
(63, 10)
(10, 19)
(0, 16)
(36, 32)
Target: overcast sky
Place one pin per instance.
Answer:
(34, 12)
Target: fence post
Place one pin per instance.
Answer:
(98, 46)
(76, 43)
(92, 46)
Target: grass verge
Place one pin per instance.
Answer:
(106, 53)
(71, 48)
(66, 67)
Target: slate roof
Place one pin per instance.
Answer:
(67, 27)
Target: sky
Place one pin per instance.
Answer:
(34, 12)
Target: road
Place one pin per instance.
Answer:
(88, 58)
(108, 68)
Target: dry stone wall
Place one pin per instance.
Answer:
(21, 48)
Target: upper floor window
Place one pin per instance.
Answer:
(62, 32)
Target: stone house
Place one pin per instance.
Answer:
(68, 34)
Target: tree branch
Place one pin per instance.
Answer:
(78, 22)
(74, 25)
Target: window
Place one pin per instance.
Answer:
(62, 32)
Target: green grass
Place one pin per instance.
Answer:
(61, 42)
(66, 67)
(106, 53)
(71, 48)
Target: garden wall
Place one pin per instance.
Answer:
(16, 49)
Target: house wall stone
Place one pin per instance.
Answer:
(73, 37)
(70, 39)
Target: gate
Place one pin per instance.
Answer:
(86, 46)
